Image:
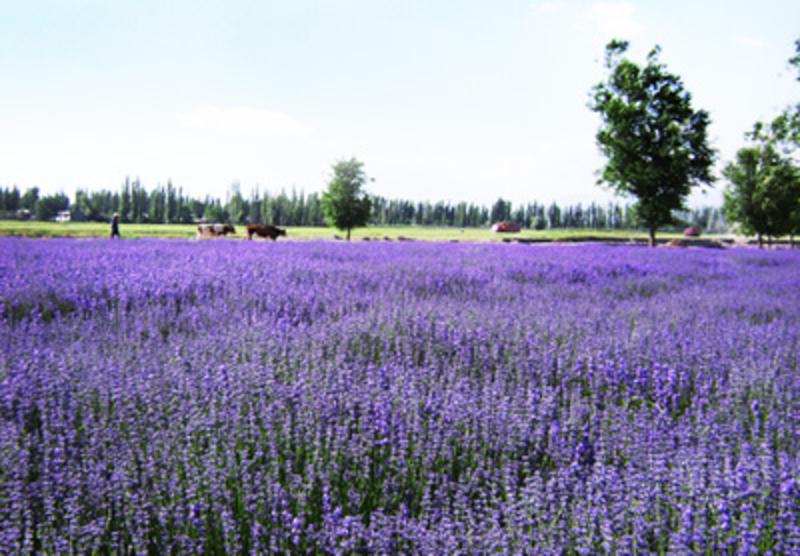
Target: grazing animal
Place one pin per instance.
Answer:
(214, 230)
(264, 230)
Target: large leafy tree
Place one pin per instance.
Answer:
(345, 204)
(764, 191)
(655, 142)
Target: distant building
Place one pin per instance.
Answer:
(63, 216)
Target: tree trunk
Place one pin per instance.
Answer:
(760, 241)
(348, 234)
(652, 240)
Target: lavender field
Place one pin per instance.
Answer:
(316, 397)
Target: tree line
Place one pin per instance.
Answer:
(167, 204)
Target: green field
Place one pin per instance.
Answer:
(135, 231)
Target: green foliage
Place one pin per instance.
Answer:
(215, 213)
(786, 127)
(95, 206)
(9, 199)
(29, 199)
(764, 195)
(48, 207)
(345, 204)
(655, 142)
(764, 191)
(237, 208)
(501, 210)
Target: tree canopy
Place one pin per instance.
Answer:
(345, 204)
(655, 142)
(764, 192)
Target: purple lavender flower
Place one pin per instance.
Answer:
(160, 396)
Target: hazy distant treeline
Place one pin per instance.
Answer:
(168, 205)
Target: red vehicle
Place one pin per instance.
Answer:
(506, 227)
(691, 231)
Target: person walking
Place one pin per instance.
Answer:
(115, 226)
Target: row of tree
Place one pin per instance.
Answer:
(167, 204)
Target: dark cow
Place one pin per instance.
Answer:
(264, 230)
(214, 230)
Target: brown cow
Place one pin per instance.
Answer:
(264, 230)
(214, 230)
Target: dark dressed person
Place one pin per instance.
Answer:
(115, 226)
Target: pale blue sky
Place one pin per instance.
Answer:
(466, 100)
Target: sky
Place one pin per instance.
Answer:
(442, 100)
